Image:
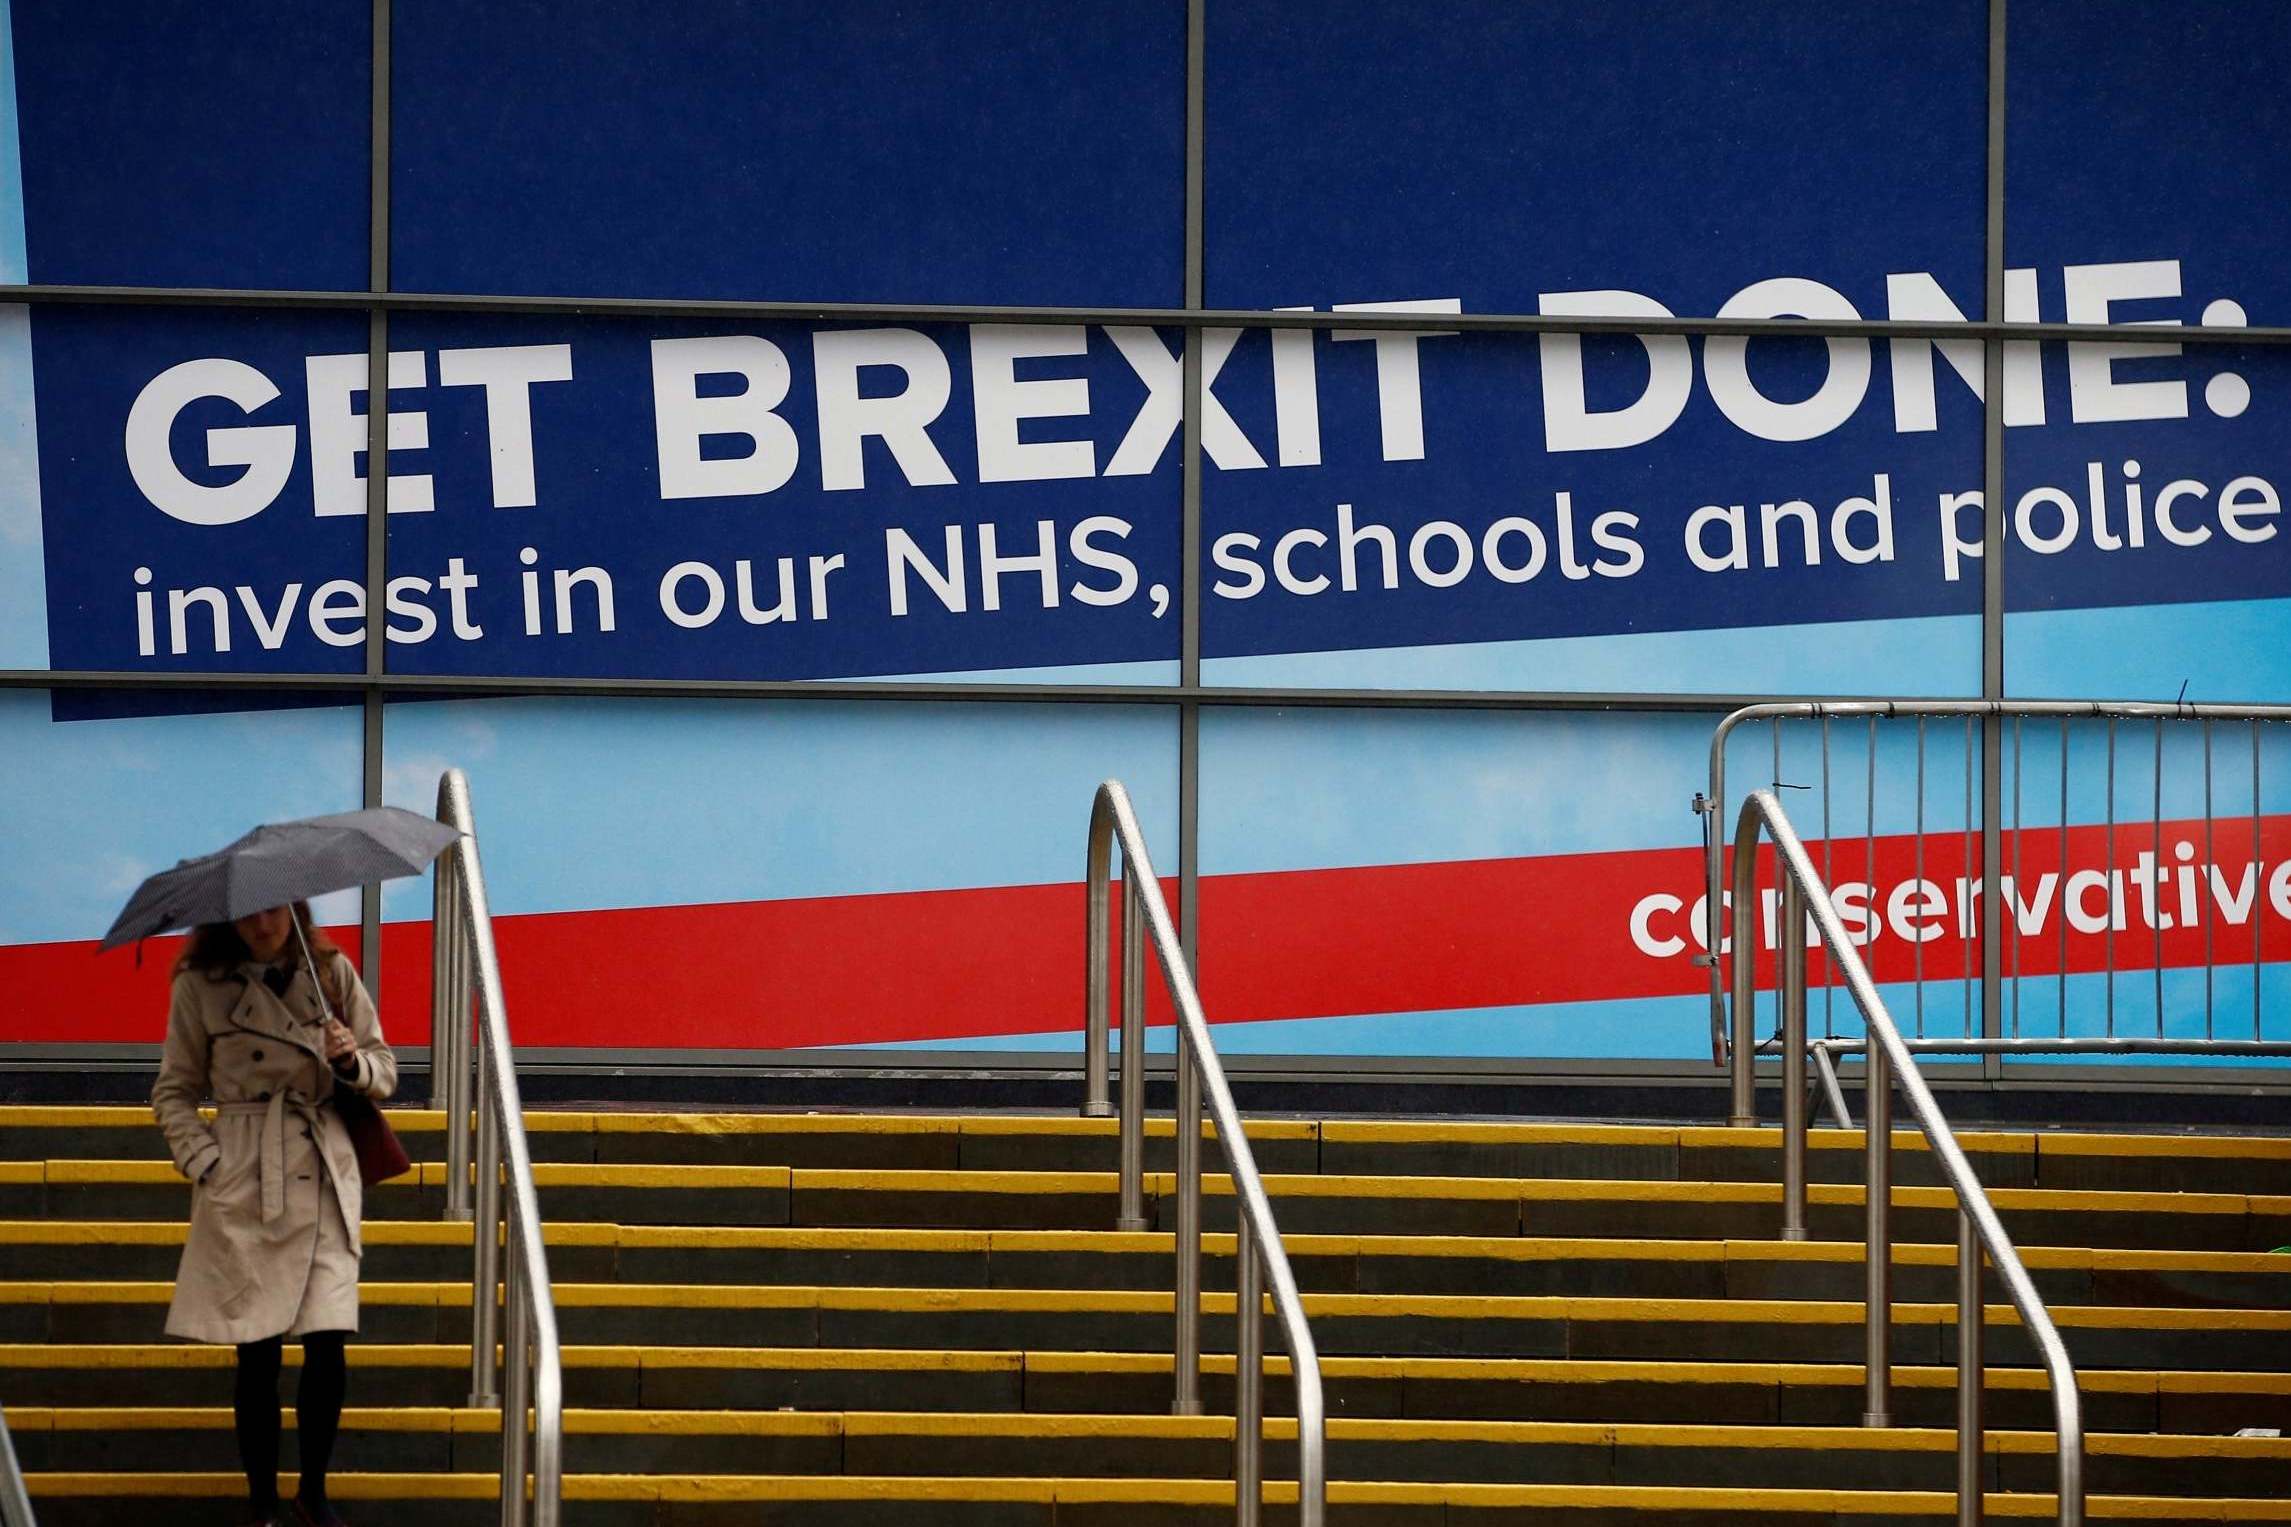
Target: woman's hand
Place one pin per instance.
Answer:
(341, 1044)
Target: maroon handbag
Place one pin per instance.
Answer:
(380, 1156)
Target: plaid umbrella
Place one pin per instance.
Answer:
(278, 863)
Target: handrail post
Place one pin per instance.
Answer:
(461, 1136)
(1248, 1379)
(1187, 1400)
(1792, 998)
(1969, 1372)
(1743, 951)
(1825, 1062)
(1877, 1404)
(1132, 1215)
(443, 1061)
(450, 1037)
(516, 1399)
(485, 1276)
(1096, 877)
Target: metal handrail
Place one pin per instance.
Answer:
(1736, 1047)
(524, 1374)
(15, 1501)
(1891, 1064)
(1258, 1249)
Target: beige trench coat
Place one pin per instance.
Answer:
(274, 1242)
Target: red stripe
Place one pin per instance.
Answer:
(1008, 959)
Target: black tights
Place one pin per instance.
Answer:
(317, 1415)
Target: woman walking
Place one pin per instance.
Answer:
(274, 1245)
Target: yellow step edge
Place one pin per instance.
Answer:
(107, 1232)
(76, 1418)
(615, 1122)
(701, 1489)
(1157, 1127)
(1287, 1185)
(2063, 1142)
(1036, 1301)
(565, 1174)
(75, 1116)
(809, 1359)
(1510, 1248)
(729, 1125)
(801, 1238)
(2209, 1147)
(681, 1296)
(82, 1291)
(123, 1356)
(1145, 1242)
(1033, 1424)
(1783, 1312)
(838, 1179)
(1769, 1138)
(1491, 1132)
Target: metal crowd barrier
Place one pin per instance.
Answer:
(1892, 1064)
(1991, 838)
(1259, 1257)
(519, 1371)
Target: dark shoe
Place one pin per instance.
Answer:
(300, 1515)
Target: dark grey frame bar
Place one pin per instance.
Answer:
(1173, 318)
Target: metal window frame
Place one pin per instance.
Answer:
(373, 683)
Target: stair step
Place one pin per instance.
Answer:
(437, 1500)
(1139, 1321)
(2182, 1162)
(824, 1320)
(431, 1250)
(829, 1378)
(1338, 1205)
(437, 1440)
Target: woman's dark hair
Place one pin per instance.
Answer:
(216, 949)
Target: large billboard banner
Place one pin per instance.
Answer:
(184, 487)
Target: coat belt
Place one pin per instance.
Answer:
(272, 1157)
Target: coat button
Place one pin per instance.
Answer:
(262, 1097)
(258, 1055)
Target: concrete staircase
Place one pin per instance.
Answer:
(831, 1319)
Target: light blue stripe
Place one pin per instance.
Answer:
(1936, 655)
(1157, 671)
(2236, 649)
(13, 266)
(94, 806)
(1632, 1028)
(1678, 1028)
(23, 581)
(628, 803)
(23, 571)
(2185, 1000)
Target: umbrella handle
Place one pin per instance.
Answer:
(325, 1008)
